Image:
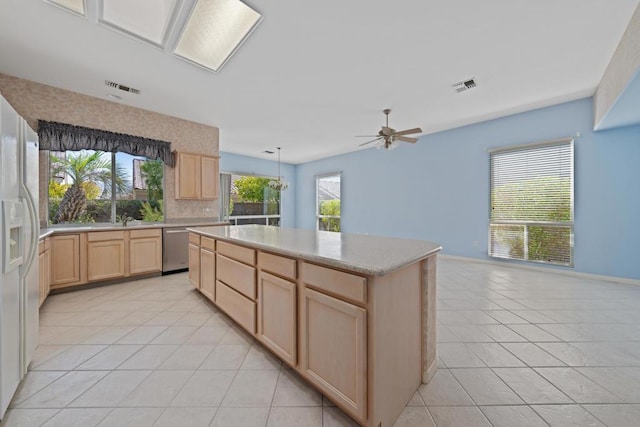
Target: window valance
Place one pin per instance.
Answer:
(65, 137)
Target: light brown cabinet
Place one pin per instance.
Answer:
(208, 273)
(145, 251)
(44, 262)
(194, 265)
(196, 176)
(65, 260)
(363, 340)
(105, 255)
(334, 349)
(277, 302)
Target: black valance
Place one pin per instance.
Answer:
(62, 137)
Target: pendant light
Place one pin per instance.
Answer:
(279, 184)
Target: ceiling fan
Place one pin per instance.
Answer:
(390, 135)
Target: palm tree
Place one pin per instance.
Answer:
(83, 168)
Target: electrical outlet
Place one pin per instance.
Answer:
(476, 243)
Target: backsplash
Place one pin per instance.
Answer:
(35, 101)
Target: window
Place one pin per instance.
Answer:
(531, 214)
(249, 199)
(89, 186)
(328, 202)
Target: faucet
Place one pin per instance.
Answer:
(124, 218)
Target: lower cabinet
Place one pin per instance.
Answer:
(194, 265)
(145, 251)
(237, 306)
(277, 316)
(208, 273)
(65, 260)
(334, 349)
(105, 259)
(44, 262)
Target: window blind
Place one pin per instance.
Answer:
(531, 215)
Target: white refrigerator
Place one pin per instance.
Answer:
(19, 222)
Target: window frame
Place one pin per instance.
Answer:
(113, 199)
(233, 219)
(570, 141)
(317, 213)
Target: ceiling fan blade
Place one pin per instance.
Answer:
(406, 139)
(369, 142)
(408, 131)
(366, 136)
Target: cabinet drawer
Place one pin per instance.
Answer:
(346, 285)
(239, 276)
(41, 247)
(239, 308)
(99, 236)
(47, 244)
(148, 232)
(208, 243)
(194, 239)
(285, 267)
(239, 253)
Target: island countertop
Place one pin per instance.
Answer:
(364, 254)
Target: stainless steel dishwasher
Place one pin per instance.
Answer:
(175, 249)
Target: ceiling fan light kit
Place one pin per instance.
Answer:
(387, 136)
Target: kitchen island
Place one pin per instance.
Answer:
(353, 314)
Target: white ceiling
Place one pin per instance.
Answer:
(314, 74)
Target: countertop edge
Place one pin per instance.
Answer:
(319, 259)
(46, 232)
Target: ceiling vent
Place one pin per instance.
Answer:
(465, 85)
(122, 87)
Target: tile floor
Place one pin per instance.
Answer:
(516, 348)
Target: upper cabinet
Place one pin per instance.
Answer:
(196, 176)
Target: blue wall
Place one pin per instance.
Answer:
(438, 189)
(250, 165)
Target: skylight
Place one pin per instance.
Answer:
(214, 31)
(148, 20)
(76, 6)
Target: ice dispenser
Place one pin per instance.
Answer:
(12, 221)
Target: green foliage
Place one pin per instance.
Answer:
(532, 201)
(90, 175)
(152, 172)
(255, 189)
(57, 190)
(332, 208)
(150, 213)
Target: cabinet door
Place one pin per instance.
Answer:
(188, 177)
(46, 274)
(65, 259)
(210, 177)
(145, 255)
(105, 260)
(277, 316)
(333, 351)
(194, 265)
(41, 278)
(208, 274)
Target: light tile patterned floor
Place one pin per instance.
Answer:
(516, 347)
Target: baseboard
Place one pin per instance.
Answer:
(507, 264)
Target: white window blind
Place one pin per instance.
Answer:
(531, 214)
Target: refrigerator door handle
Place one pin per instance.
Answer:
(34, 226)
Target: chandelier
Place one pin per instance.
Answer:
(279, 184)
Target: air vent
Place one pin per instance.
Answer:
(465, 85)
(122, 87)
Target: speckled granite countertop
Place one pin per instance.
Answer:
(369, 255)
(46, 232)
